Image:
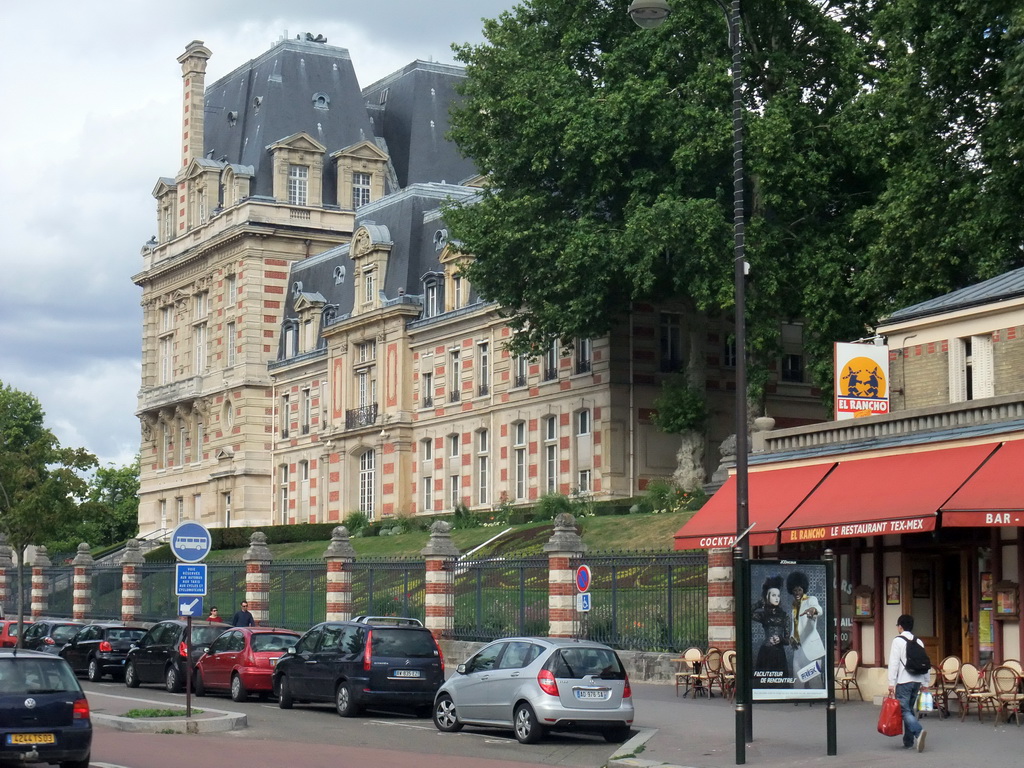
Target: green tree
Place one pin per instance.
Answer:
(40, 482)
(109, 514)
(872, 129)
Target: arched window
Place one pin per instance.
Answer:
(366, 483)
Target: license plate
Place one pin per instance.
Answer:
(407, 673)
(31, 738)
(599, 695)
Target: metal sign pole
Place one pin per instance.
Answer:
(188, 666)
(830, 644)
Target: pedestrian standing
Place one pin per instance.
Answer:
(242, 617)
(906, 686)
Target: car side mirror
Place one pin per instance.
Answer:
(211, 651)
(461, 669)
(291, 651)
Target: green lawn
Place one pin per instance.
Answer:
(622, 533)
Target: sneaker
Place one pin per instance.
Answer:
(919, 741)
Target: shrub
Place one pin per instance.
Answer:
(550, 505)
(680, 407)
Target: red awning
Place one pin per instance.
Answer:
(884, 495)
(773, 495)
(994, 495)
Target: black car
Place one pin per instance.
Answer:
(370, 662)
(44, 715)
(159, 657)
(50, 635)
(101, 649)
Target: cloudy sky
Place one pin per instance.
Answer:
(91, 95)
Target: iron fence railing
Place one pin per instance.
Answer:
(646, 602)
(499, 597)
(389, 588)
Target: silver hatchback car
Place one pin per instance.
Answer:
(536, 684)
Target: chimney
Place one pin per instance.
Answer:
(193, 73)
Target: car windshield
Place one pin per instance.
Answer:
(24, 676)
(206, 635)
(268, 641)
(577, 663)
(65, 633)
(398, 642)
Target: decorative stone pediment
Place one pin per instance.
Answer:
(363, 167)
(298, 142)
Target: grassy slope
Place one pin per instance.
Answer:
(601, 534)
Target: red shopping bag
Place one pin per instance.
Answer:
(890, 721)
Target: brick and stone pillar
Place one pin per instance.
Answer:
(131, 581)
(40, 583)
(6, 575)
(721, 600)
(257, 577)
(563, 546)
(440, 555)
(81, 598)
(339, 556)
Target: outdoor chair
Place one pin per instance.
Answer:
(1015, 666)
(976, 692)
(1006, 686)
(729, 673)
(710, 673)
(687, 668)
(948, 683)
(846, 674)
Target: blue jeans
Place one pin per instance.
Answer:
(906, 695)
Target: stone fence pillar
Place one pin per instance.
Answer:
(440, 555)
(40, 583)
(339, 556)
(257, 577)
(6, 568)
(721, 600)
(81, 595)
(131, 581)
(563, 546)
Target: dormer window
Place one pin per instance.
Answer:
(433, 295)
(360, 188)
(298, 184)
(369, 286)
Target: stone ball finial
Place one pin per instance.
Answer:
(565, 538)
(258, 550)
(341, 545)
(132, 554)
(440, 543)
(42, 558)
(84, 556)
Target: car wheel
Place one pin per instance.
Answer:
(344, 701)
(616, 735)
(131, 675)
(528, 730)
(445, 717)
(197, 683)
(284, 693)
(76, 763)
(238, 692)
(94, 673)
(172, 680)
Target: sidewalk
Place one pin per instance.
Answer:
(700, 734)
(109, 709)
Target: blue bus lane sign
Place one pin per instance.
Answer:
(190, 579)
(191, 542)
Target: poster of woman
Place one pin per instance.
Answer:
(788, 612)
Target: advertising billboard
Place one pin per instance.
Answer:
(862, 380)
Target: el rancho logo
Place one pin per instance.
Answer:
(862, 388)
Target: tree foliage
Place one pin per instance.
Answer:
(41, 483)
(883, 156)
(109, 513)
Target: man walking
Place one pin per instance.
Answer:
(904, 685)
(242, 617)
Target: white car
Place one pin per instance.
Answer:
(536, 684)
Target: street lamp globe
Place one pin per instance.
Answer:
(649, 13)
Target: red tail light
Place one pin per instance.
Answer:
(440, 655)
(48, 640)
(183, 649)
(367, 651)
(546, 681)
(627, 692)
(81, 710)
(105, 647)
(250, 660)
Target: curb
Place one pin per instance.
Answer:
(211, 721)
(624, 755)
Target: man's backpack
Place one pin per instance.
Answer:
(918, 662)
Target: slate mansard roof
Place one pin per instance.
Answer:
(1009, 285)
(410, 221)
(301, 85)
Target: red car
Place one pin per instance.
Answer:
(242, 661)
(9, 632)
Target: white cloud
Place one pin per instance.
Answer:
(92, 96)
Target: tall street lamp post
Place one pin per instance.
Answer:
(649, 14)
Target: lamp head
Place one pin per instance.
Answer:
(649, 13)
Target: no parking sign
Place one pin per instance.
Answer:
(583, 584)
